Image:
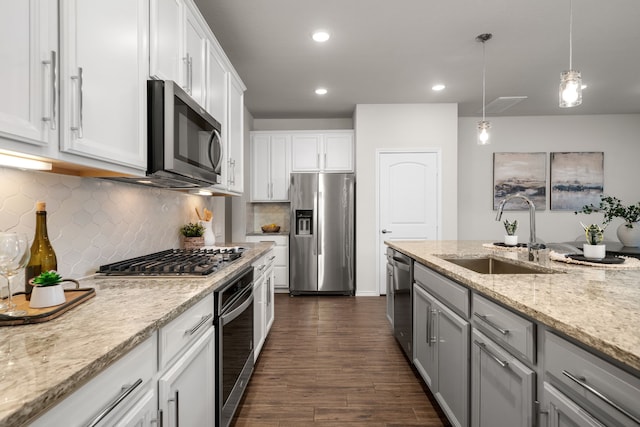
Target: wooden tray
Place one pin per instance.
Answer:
(38, 315)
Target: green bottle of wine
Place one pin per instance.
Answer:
(43, 257)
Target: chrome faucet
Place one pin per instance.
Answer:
(533, 245)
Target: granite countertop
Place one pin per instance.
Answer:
(41, 364)
(599, 307)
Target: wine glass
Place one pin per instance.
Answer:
(14, 256)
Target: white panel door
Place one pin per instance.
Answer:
(195, 57)
(29, 52)
(338, 152)
(305, 152)
(408, 197)
(165, 41)
(104, 80)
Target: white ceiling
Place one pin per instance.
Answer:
(393, 51)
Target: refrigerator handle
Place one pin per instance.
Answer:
(319, 223)
(315, 223)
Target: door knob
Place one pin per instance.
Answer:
(385, 231)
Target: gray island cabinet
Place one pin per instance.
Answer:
(524, 350)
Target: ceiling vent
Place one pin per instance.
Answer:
(502, 103)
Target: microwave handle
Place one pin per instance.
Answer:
(215, 163)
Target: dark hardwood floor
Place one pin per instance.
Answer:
(333, 361)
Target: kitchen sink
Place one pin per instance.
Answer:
(490, 265)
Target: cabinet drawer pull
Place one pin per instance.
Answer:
(582, 382)
(271, 258)
(490, 323)
(126, 391)
(198, 325)
(53, 78)
(484, 348)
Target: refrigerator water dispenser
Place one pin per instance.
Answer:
(304, 219)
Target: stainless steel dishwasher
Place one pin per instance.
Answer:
(402, 303)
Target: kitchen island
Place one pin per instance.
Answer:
(597, 307)
(547, 340)
(41, 364)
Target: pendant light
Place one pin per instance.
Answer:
(483, 125)
(570, 81)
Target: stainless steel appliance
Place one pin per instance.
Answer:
(402, 302)
(184, 143)
(195, 262)
(322, 242)
(234, 344)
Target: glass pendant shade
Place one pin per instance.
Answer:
(570, 89)
(483, 132)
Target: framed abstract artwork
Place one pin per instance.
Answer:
(520, 173)
(577, 179)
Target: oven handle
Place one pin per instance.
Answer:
(230, 316)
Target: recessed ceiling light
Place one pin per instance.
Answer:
(321, 36)
(321, 91)
(438, 87)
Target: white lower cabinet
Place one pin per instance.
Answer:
(263, 292)
(186, 356)
(502, 388)
(441, 349)
(185, 390)
(122, 395)
(281, 260)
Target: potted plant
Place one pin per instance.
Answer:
(510, 227)
(192, 235)
(594, 249)
(47, 290)
(612, 207)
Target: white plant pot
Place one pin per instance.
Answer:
(594, 251)
(510, 240)
(47, 296)
(629, 236)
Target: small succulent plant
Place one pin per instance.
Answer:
(510, 227)
(192, 230)
(48, 278)
(594, 233)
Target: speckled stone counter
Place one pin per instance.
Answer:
(40, 364)
(598, 307)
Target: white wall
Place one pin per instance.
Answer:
(399, 126)
(618, 136)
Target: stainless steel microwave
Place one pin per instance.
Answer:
(184, 143)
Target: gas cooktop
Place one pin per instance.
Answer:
(194, 262)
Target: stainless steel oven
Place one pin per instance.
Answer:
(234, 344)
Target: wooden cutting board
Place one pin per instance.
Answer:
(74, 297)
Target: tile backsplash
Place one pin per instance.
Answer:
(259, 214)
(92, 221)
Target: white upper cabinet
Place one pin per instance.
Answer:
(235, 135)
(30, 57)
(103, 77)
(328, 151)
(194, 58)
(216, 85)
(165, 42)
(270, 167)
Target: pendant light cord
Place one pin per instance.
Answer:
(570, 35)
(484, 73)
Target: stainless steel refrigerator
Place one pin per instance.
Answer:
(322, 239)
